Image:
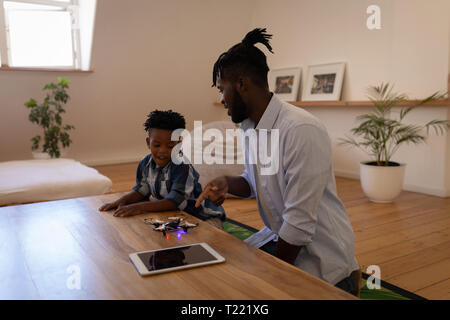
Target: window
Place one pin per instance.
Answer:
(46, 33)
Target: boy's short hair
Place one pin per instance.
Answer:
(167, 120)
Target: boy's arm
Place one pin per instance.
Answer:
(130, 197)
(139, 192)
(146, 206)
(182, 185)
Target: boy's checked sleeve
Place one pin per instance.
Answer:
(142, 185)
(182, 185)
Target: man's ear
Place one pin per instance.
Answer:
(148, 142)
(242, 84)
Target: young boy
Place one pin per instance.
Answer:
(172, 186)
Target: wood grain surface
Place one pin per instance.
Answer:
(40, 242)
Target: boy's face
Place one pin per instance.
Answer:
(161, 145)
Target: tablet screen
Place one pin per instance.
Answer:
(175, 257)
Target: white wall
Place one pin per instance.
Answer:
(146, 54)
(156, 53)
(411, 50)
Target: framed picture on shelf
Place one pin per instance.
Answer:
(285, 83)
(324, 82)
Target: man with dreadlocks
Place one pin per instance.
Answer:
(299, 203)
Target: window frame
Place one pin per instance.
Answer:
(72, 6)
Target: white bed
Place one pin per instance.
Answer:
(43, 180)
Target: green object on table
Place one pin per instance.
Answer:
(237, 231)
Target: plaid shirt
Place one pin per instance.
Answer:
(177, 183)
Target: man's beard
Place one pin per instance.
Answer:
(238, 108)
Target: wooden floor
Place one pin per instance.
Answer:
(409, 239)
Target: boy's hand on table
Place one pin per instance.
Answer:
(112, 205)
(129, 210)
(131, 197)
(215, 191)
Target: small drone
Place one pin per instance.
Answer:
(176, 223)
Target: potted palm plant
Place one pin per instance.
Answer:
(48, 115)
(380, 137)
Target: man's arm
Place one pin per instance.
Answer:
(238, 186)
(286, 251)
(307, 165)
(217, 189)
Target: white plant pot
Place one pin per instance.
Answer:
(382, 184)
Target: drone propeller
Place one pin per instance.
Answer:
(190, 225)
(155, 222)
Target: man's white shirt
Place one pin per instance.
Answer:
(299, 201)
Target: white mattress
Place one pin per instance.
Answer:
(43, 180)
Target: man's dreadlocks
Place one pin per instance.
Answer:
(245, 58)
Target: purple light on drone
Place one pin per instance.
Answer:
(180, 234)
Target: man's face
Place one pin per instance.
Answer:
(232, 100)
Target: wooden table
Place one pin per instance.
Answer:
(47, 249)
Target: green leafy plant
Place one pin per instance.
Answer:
(380, 136)
(48, 116)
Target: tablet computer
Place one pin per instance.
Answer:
(174, 258)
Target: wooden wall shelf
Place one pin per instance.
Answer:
(407, 103)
